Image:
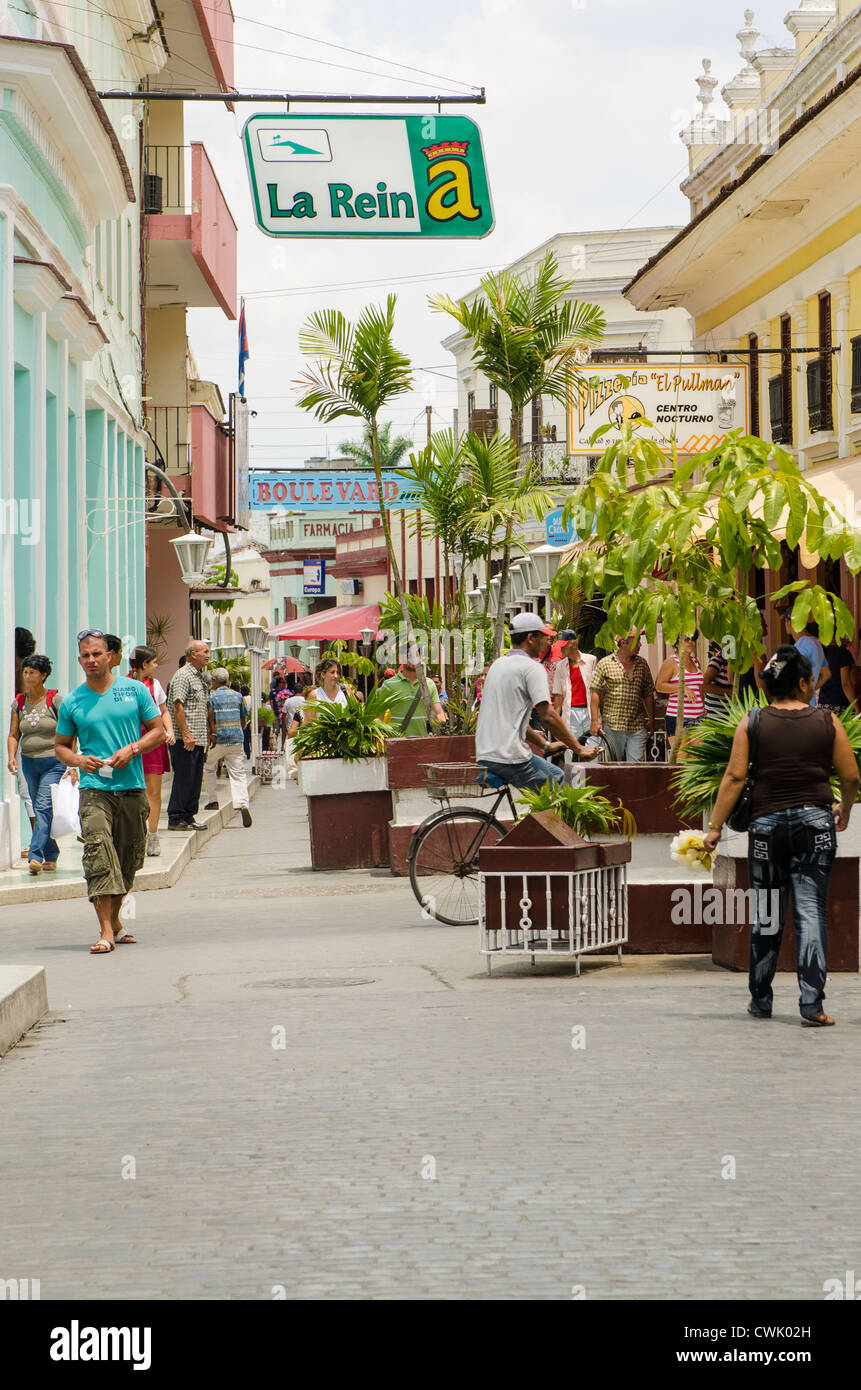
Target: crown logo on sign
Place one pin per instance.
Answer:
(445, 147)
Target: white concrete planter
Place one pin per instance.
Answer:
(335, 777)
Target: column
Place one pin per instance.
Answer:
(801, 429)
(841, 362)
(10, 842)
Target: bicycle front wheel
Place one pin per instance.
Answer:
(444, 864)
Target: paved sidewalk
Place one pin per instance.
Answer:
(425, 1131)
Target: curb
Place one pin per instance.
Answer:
(178, 850)
(23, 1001)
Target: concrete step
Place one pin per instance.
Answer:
(178, 848)
(23, 1001)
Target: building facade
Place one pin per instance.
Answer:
(769, 265)
(72, 445)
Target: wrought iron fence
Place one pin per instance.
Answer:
(170, 444)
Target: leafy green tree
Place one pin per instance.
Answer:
(392, 451)
(675, 542)
(357, 372)
(527, 335)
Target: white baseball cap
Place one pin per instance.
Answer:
(530, 622)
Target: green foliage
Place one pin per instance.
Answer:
(358, 369)
(340, 652)
(526, 332)
(584, 809)
(461, 715)
(357, 731)
(424, 616)
(216, 577)
(266, 715)
(391, 450)
(707, 749)
(671, 551)
(237, 667)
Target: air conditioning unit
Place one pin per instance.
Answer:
(351, 587)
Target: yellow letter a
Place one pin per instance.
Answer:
(440, 204)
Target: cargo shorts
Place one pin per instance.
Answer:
(113, 833)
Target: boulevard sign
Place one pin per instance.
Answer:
(309, 491)
(367, 176)
(696, 406)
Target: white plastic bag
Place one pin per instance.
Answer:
(66, 799)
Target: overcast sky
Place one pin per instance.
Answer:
(584, 99)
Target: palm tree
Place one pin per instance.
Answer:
(438, 473)
(391, 450)
(526, 336)
(499, 493)
(358, 371)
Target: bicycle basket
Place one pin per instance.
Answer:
(446, 780)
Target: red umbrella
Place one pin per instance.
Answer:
(285, 665)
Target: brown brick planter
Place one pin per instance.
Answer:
(645, 790)
(406, 755)
(350, 831)
(731, 943)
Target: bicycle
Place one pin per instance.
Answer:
(443, 853)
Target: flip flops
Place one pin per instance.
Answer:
(102, 948)
(126, 940)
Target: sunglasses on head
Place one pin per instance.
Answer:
(90, 632)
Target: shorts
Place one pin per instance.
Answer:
(113, 833)
(156, 760)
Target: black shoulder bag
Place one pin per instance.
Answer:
(740, 817)
(405, 722)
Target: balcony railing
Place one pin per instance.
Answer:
(484, 423)
(556, 465)
(819, 395)
(780, 411)
(199, 454)
(191, 231)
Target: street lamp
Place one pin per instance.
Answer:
(313, 654)
(547, 559)
(493, 606)
(475, 599)
(254, 636)
(191, 551)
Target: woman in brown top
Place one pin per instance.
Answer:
(792, 837)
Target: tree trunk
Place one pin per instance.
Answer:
(680, 722)
(516, 435)
(396, 573)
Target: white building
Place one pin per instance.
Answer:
(600, 265)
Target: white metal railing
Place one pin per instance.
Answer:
(589, 914)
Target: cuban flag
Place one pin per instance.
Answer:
(243, 349)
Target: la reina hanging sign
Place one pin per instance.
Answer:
(368, 176)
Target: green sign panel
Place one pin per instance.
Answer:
(368, 176)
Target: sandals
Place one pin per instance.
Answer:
(102, 948)
(756, 1013)
(820, 1021)
(126, 940)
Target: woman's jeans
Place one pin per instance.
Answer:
(670, 721)
(41, 774)
(790, 849)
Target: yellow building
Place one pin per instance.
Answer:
(769, 265)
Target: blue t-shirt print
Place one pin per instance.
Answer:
(105, 723)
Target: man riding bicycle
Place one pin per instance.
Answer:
(515, 685)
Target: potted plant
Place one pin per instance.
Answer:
(582, 809)
(340, 756)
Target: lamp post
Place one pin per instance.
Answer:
(547, 559)
(313, 655)
(254, 637)
(366, 637)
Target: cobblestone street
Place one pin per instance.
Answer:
(424, 1131)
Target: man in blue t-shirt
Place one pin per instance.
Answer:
(106, 715)
(227, 712)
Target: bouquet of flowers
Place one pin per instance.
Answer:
(688, 847)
